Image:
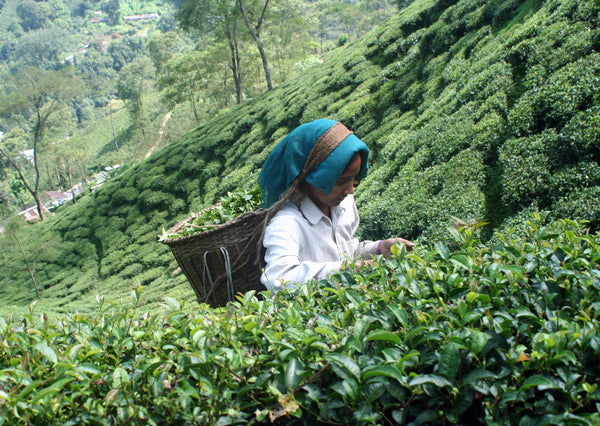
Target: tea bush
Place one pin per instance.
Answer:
(458, 87)
(465, 333)
(526, 171)
(124, 195)
(581, 204)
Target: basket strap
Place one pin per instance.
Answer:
(230, 288)
(206, 274)
(328, 141)
(214, 284)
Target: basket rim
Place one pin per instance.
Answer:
(216, 228)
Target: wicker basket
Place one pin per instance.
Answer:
(222, 261)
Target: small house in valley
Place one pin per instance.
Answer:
(30, 212)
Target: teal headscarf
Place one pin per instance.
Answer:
(288, 158)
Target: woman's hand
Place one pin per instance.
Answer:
(385, 246)
(356, 264)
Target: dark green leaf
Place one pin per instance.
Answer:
(293, 373)
(434, 379)
(53, 389)
(478, 341)
(449, 361)
(386, 370)
(344, 361)
(384, 335)
(478, 374)
(539, 381)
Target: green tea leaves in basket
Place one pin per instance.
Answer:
(229, 207)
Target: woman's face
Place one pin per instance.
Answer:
(343, 187)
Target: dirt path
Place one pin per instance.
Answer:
(160, 134)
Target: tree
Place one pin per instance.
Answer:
(162, 47)
(38, 95)
(80, 7)
(112, 125)
(220, 18)
(13, 229)
(255, 28)
(125, 50)
(33, 14)
(133, 85)
(184, 75)
(42, 48)
(292, 41)
(348, 16)
(6, 201)
(66, 164)
(112, 8)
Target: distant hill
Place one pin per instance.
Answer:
(478, 110)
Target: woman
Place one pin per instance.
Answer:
(312, 232)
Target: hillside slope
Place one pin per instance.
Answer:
(472, 109)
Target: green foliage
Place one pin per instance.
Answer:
(343, 39)
(228, 208)
(124, 195)
(482, 110)
(450, 334)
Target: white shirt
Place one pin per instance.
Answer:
(302, 243)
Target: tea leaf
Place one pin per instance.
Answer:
(383, 335)
(434, 379)
(538, 381)
(449, 361)
(47, 352)
(385, 370)
(293, 373)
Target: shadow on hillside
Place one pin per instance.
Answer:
(123, 137)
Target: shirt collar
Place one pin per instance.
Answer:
(314, 214)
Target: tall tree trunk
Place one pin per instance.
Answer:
(255, 33)
(69, 174)
(37, 290)
(83, 172)
(142, 119)
(235, 65)
(112, 124)
(58, 180)
(263, 56)
(41, 120)
(193, 106)
(22, 177)
(50, 178)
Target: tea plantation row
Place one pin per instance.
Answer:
(465, 333)
(471, 108)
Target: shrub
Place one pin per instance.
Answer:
(131, 271)
(579, 176)
(150, 200)
(582, 132)
(211, 169)
(502, 334)
(126, 195)
(582, 204)
(526, 173)
(554, 99)
(156, 180)
(342, 40)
